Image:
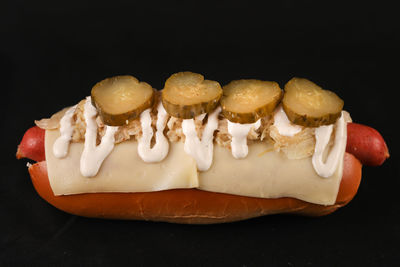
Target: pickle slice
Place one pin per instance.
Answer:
(121, 98)
(187, 95)
(246, 101)
(307, 104)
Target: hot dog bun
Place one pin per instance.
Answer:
(190, 206)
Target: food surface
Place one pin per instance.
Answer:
(125, 171)
(248, 140)
(307, 104)
(190, 206)
(121, 98)
(199, 134)
(187, 95)
(246, 101)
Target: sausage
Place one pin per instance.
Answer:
(32, 145)
(191, 206)
(367, 144)
(364, 142)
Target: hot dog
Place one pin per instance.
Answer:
(193, 205)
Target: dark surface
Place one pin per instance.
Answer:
(51, 54)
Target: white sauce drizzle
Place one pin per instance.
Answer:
(284, 126)
(61, 145)
(239, 134)
(161, 147)
(93, 156)
(322, 135)
(201, 151)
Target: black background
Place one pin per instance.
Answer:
(52, 53)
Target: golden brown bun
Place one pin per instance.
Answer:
(191, 206)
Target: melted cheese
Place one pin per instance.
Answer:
(122, 171)
(261, 174)
(270, 175)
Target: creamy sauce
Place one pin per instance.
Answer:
(93, 156)
(284, 126)
(322, 136)
(239, 134)
(61, 145)
(161, 147)
(201, 151)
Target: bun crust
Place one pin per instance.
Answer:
(190, 206)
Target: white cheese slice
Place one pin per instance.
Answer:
(122, 171)
(270, 175)
(261, 174)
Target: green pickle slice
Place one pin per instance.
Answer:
(121, 98)
(307, 104)
(187, 95)
(246, 101)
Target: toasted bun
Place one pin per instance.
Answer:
(189, 206)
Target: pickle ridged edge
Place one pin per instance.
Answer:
(309, 121)
(190, 111)
(120, 119)
(251, 117)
